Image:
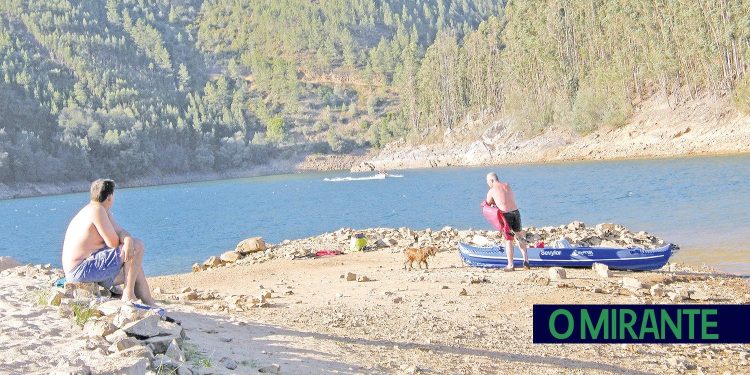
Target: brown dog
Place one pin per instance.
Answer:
(420, 255)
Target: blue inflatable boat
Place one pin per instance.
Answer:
(634, 259)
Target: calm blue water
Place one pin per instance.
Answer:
(702, 204)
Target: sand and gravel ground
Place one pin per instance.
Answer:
(418, 321)
(451, 319)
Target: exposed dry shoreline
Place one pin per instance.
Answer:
(285, 312)
(702, 127)
(31, 190)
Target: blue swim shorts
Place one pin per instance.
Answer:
(100, 267)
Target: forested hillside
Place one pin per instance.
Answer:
(146, 87)
(138, 88)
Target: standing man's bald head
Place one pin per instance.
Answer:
(492, 178)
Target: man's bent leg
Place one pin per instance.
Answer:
(142, 289)
(131, 273)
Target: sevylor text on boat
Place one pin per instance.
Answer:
(634, 259)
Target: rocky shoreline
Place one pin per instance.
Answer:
(25, 190)
(283, 308)
(707, 126)
(254, 250)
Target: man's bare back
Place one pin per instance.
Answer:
(82, 237)
(97, 249)
(501, 195)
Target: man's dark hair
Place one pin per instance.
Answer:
(101, 189)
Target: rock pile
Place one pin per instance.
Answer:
(667, 288)
(37, 272)
(244, 248)
(254, 250)
(604, 234)
(117, 329)
(221, 301)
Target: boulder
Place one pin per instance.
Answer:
(197, 267)
(124, 366)
(389, 242)
(674, 296)
(123, 344)
(145, 328)
(126, 314)
(189, 296)
(228, 363)
(251, 245)
(230, 256)
(261, 299)
(657, 291)
(170, 329)
(556, 274)
(55, 297)
(699, 295)
(160, 344)
(7, 262)
(81, 290)
(604, 228)
(138, 351)
(116, 336)
(350, 276)
(175, 352)
(576, 225)
(110, 307)
(166, 365)
(684, 293)
(98, 328)
(213, 261)
(362, 278)
(602, 270)
(631, 283)
(273, 369)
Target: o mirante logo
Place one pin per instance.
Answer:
(641, 324)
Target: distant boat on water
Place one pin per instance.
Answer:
(379, 176)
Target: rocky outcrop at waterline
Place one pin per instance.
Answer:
(445, 239)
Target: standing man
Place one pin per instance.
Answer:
(501, 195)
(97, 250)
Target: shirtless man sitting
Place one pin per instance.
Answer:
(97, 250)
(501, 195)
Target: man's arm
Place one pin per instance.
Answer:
(105, 227)
(125, 238)
(121, 233)
(490, 200)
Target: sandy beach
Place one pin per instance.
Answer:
(282, 313)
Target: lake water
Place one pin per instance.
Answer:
(702, 204)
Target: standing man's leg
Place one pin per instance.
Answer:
(509, 249)
(521, 237)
